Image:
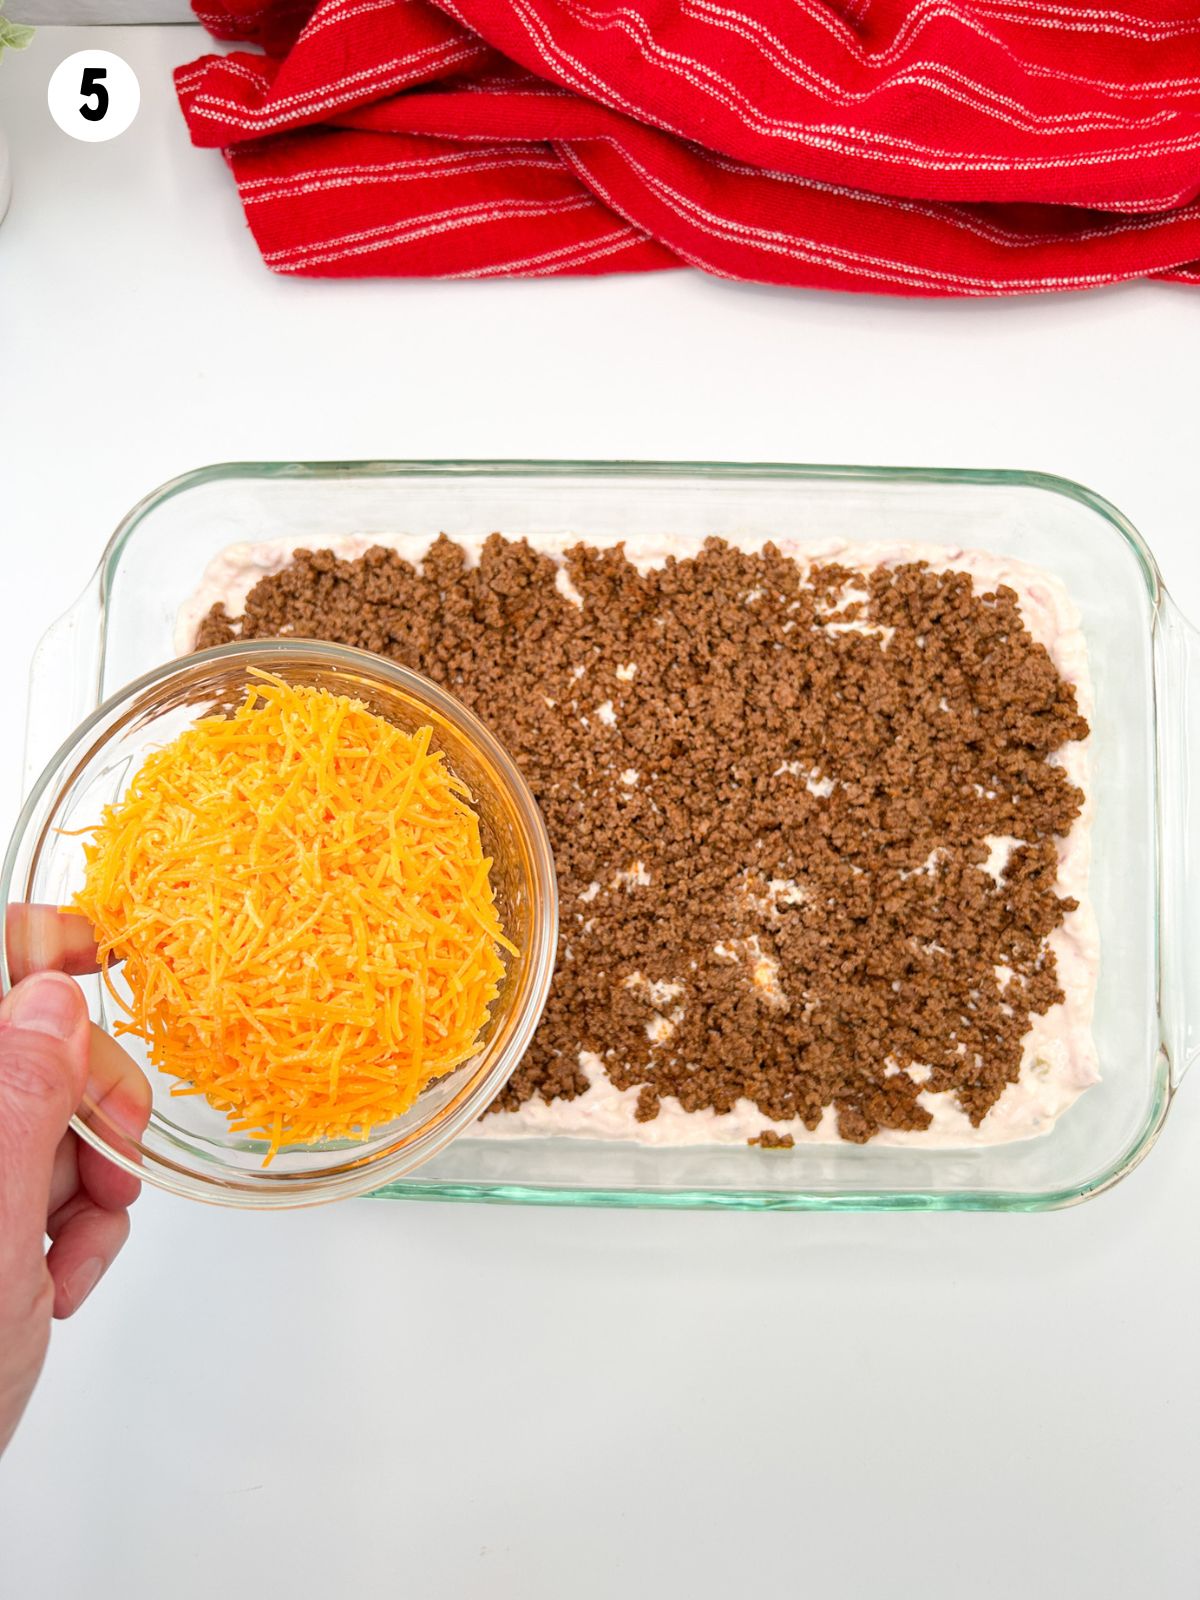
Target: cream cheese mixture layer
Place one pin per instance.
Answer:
(1059, 1058)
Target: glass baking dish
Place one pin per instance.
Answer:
(1145, 662)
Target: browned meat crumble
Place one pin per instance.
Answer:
(779, 817)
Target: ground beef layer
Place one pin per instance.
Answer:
(773, 795)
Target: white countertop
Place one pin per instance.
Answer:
(450, 1402)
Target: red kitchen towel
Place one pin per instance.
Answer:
(954, 147)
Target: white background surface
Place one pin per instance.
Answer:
(456, 1402)
(93, 11)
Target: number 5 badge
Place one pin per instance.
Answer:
(93, 95)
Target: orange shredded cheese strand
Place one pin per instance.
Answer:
(304, 911)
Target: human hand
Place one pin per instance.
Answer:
(52, 1183)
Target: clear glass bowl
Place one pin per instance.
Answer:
(1145, 662)
(187, 1147)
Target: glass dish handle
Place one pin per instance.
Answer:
(64, 681)
(1179, 863)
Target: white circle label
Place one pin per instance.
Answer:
(93, 95)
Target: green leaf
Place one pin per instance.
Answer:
(14, 35)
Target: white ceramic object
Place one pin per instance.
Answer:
(5, 175)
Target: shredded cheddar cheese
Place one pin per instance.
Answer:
(300, 898)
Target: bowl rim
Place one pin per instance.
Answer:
(265, 1189)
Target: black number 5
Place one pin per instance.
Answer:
(93, 86)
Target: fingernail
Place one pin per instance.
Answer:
(46, 1002)
(82, 1281)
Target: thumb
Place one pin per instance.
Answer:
(44, 1038)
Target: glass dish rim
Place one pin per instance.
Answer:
(269, 1191)
(764, 471)
(516, 467)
